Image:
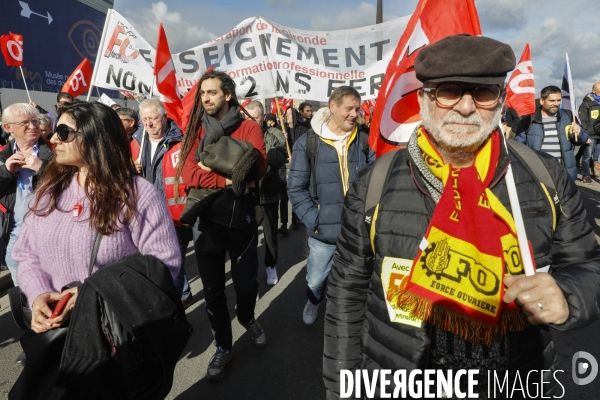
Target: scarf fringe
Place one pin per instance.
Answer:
(457, 323)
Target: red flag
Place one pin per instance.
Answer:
(127, 94)
(79, 81)
(187, 104)
(245, 102)
(397, 109)
(520, 90)
(367, 107)
(12, 49)
(284, 104)
(166, 81)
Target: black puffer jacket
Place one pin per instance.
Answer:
(358, 331)
(589, 111)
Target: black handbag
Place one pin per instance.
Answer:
(43, 351)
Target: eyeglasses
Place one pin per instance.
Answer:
(35, 121)
(66, 103)
(449, 94)
(65, 134)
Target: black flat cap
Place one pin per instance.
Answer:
(465, 58)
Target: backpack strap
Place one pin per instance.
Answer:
(378, 179)
(311, 153)
(537, 170)
(94, 252)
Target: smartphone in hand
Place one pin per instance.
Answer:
(58, 309)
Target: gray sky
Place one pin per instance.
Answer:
(551, 27)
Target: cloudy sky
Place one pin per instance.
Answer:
(552, 27)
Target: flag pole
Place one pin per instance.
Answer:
(139, 159)
(571, 95)
(515, 205)
(281, 121)
(100, 47)
(25, 82)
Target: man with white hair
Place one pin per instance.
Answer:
(20, 163)
(160, 148)
(429, 275)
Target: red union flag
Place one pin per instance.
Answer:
(80, 80)
(520, 91)
(166, 81)
(12, 49)
(284, 104)
(397, 111)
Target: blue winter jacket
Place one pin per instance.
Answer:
(323, 218)
(531, 133)
(153, 172)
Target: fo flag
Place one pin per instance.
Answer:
(80, 80)
(520, 91)
(166, 81)
(284, 104)
(568, 91)
(12, 49)
(397, 109)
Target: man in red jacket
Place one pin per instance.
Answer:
(230, 223)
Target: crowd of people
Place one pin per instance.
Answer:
(86, 170)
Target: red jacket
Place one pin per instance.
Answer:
(227, 209)
(196, 177)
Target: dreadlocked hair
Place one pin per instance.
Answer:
(192, 132)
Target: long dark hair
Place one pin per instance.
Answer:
(195, 123)
(105, 153)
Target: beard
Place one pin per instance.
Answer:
(214, 111)
(459, 142)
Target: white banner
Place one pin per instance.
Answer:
(125, 59)
(264, 58)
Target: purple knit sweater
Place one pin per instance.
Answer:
(54, 251)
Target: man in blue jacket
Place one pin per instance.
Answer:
(551, 130)
(317, 192)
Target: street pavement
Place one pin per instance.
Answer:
(290, 365)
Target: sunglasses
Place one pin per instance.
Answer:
(65, 134)
(449, 94)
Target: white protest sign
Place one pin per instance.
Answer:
(267, 59)
(264, 58)
(125, 60)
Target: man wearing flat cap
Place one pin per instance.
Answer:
(429, 274)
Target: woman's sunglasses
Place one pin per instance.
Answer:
(65, 134)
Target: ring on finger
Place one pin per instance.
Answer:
(540, 305)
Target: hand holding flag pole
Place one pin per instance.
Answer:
(568, 96)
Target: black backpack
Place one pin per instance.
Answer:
(311, 154)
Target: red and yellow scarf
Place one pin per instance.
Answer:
(470, 245)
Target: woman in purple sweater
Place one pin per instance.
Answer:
(91, 186)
